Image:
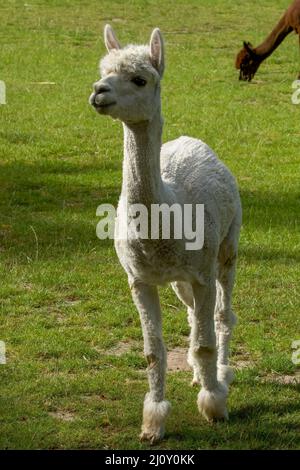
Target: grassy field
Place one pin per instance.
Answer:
(75, 373)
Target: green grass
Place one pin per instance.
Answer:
(64, 299)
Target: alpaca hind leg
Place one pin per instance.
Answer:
(225, 318)
(224, 322)
(184, 292)
(156, 408)
(212, 397)
(192, 361)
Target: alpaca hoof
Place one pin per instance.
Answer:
(225, 374)
(212, 403)
(154, 416)
(151, 436)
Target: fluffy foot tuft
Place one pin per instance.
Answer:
(154, 416)
(212, 403)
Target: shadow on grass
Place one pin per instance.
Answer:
(57, 199)
(271, 210)
(255, 253)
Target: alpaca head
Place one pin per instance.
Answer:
(129, 88)
(247, 61)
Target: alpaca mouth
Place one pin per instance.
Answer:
(104, 105)
(245, 77)
(103, 108)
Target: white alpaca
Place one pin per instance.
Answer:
(183, 171)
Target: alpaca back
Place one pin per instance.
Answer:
(193, 172)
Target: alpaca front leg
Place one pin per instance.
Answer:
(156, 408)
(212, 397)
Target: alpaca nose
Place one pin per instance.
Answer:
(101, 88)
(99, 93)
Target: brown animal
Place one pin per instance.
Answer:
(249, 58)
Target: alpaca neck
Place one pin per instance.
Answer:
(275, 38)
(142, 183)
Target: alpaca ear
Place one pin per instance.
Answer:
(248, 46)
(110, 38)
(157, 51)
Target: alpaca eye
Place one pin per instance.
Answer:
(139, 81)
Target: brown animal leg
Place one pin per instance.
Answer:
(299, 48)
